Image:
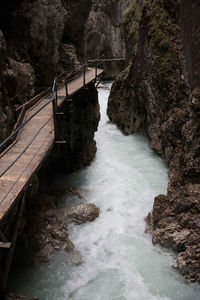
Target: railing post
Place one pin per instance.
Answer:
(66, 88)
(54, 106)
(96, 66)
(84, 75)
(56, 99)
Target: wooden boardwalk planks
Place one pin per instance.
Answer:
(34, 142)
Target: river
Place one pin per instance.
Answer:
(119, 260)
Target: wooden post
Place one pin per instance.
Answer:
(8, 261)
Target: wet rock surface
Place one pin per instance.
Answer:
(78, 214)
(17, 296)
(44, 230)
(49, 234)
(175, 220)
(158, 94)
(77, 126)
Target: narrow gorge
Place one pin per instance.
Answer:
(113, 209)
(158, 94)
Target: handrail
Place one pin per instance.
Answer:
(53, 100)
(33, 138)
(87, 64)
(107, 59)
(82, 67)
(23, 124)
(54, 89)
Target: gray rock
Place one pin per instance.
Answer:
(103, 33)
(78, 214)
(18, 296)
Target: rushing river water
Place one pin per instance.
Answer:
(119, 260)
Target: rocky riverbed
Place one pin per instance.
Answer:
(17, 296)
(46, 231)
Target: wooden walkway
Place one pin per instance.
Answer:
(32, 145)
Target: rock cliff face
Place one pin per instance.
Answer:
(77, 127)
(103, 33)
(158, 93)
(16, 85)
(40, 39)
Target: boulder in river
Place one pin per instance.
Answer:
(17, 296)
(78, 214)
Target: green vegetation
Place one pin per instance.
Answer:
(132, 18)
(124, 74)
(196, 93)
(163, 32)
(156, 20)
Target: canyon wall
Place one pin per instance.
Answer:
(158, 94)
(76, 127)
(103, 33)
(40, 39)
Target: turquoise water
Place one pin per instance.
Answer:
(119, 260)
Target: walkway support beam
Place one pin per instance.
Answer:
(8, 262)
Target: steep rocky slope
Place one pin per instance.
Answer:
(158, 94)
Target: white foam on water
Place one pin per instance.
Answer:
(119, 260)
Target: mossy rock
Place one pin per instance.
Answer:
(163, 33)
(132, 18)
(196, 93)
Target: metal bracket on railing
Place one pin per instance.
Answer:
(4, 242)
(66, 88)
(54, 85)
(2, 237)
